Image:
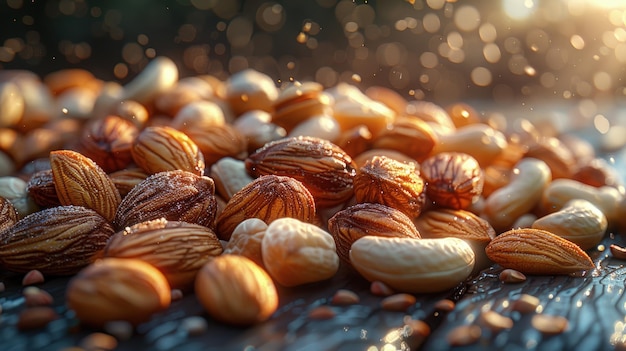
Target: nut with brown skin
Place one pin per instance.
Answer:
(114, 289)
(75, 179)
(126, 179)
(409, 135)
(299, 101)
(218, 142)
(161, 148)
(323, 168)
(268, 198)
(60, 240)
(174, 195)
(235, 290)
(536, 251)
(453, 179)
(393, 183)
(177, 249)
(108, 141)
(462, 224)
(368, 219)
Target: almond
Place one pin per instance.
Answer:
(59, 241)
(443, 222)
(177, 249)
(268, 198)
(161, 148)
(235, 290)
(536, 251)
(76, 177)
(324, 169)
(175, 195)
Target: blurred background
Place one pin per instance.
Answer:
(437, 50)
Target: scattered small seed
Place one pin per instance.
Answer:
(194, 325)
(618, 252)
(525, 304)
(495, 321)
(98, 341)
(122, 330)
(511, 276)
(464, 335)
(379, 288)
(445, 305)
(550, 325)
(33, 277)
(177, 294)
(36, 317)
(322, 313)
(416, 331)
(345, 297)
(33, 296)
(398, 302)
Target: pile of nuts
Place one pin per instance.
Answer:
(226, 188)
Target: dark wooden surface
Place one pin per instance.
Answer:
(594, 304)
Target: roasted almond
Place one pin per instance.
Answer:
(59, 241)
(107, 141)
(536, 251)
(177, 249)
(323, 168)
(268, 198)
(79, 181)
(41, 188)
(174, 195)
(161, 148)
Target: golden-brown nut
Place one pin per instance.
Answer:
(132, 111)
(108, 142)
(218, 142)
(235, 290)
(555, 154)
(434, 115)
(250, 90)
(453, 179)
(174, 195)
(446, 222)
(161, 148)
(298, 102)
(268, 198)
(79, 181)
(296, 253)
(393, 183)
(323, 168)
(368, 219)
(355, 141)
(117, 289)
(126, 179)
(60, 240)
(177, 249)
(462, 114)
(536, 251)
(409, 135)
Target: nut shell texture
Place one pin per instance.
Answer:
(59, 241)
(177, 249)
(174, 195)
(323, 168)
